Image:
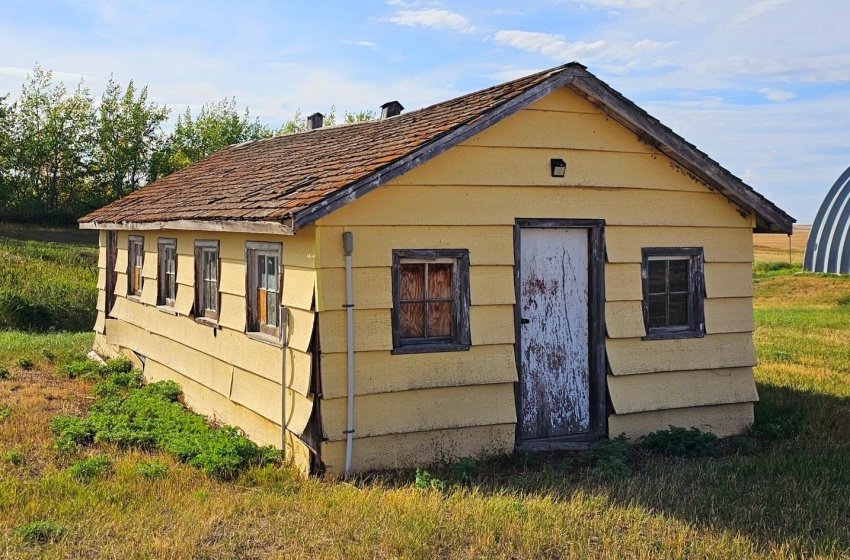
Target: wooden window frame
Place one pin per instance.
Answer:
(460, 339)
(696, 292)
(252, 312)
(135, 248)
(164, 279)
(203, 314)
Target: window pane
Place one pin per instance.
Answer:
(261, 271)
(657, 276)
(271, 273)
(679, 275)
(412, 319)
(657, 311)
(439, 281)
(271, 313)
(262, 310)
(440, 319)
(412, 282)
(679, 310)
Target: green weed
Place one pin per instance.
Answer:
(85, 470)
(425, 481)
(464, 471)
(681, 442)
(611, 459)
(5, 412)
(4, 372)
(152, 469)
(24, 363)
(41, 532)
(14, 457)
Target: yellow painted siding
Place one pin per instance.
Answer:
(721, 245)
(723, 420)
(629, 356)
(381, 372)
(224, 371)
(420, 448)
(624, 319)
(412, 411)
(681, 389)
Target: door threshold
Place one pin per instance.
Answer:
(568, 443)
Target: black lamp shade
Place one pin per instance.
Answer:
(559, 167)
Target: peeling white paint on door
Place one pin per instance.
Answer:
(555, 377)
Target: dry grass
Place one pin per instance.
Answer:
(779, 247)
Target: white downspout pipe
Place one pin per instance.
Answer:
(284, 327)
(348, 247)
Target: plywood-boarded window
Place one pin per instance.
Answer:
(166, 275)
(264, 287)
(135, 263)
(673, 292)
(207, 298)
(430, 300)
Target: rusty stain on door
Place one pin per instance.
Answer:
(555, 377)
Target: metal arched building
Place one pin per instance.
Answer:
(828, 247)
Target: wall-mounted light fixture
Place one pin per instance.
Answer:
(559, 167)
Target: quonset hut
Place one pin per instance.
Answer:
(827, 249)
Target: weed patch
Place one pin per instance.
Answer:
(611, 459)
(5, 412)
(24, 363)
(14, 457)
(426, 481)
(464, 471)
(681, 442)
(4, 372)
(150, 417)
(41, 532)
(85, 470)
(152, 469)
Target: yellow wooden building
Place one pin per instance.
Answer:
(536, 265)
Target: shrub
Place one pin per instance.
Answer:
(40, 532)
(681, 442)
(25, 363)
(152, 469)
(4, 372)
(91, 370)
(70, 432)
(464, 471)
(610, 459)
(424, 481)
(85, 470)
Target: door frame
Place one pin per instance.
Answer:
(596, 332)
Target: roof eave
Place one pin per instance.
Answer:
(232, 226)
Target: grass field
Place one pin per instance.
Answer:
(783, 492)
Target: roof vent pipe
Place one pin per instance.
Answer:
(315, 121)
(391, 109)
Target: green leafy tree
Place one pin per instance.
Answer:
(129, 132)
(216, 126)
(298, 122)
(52, 136)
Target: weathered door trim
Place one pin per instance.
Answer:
(596, 330)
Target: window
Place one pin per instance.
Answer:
(430, 300)
(166, 275)
(673, 292)
(135, 262)
(206, 280)
(264, 280)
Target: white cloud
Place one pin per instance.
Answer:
(362, 44)
(616, 57)
(432, 17)
(755, 10)
(777, 94)
(629, 4)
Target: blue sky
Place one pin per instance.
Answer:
(762, 86)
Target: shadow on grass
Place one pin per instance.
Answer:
(788, 489)
(69, 235)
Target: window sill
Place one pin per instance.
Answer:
(430, 348)
(265, 338)
(167, 309)
(136, 298)
(207, 322)
(673, 335)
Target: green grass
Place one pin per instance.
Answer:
(45, 284)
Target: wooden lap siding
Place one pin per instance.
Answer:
(223, 372)
(646, 201)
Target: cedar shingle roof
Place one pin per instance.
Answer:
(298, 178)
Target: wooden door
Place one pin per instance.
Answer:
(555, 384)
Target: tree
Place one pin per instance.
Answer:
(51, 138)
(217, 126)
(299, 124)
(129, 132)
